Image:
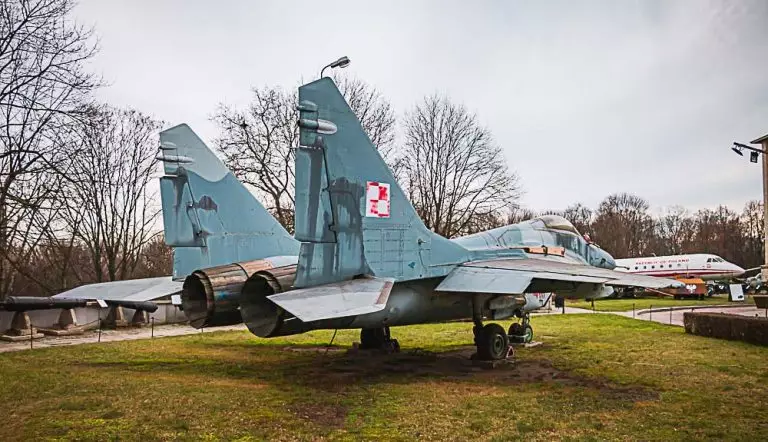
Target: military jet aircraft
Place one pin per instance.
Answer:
(361, 257)
(367, 260)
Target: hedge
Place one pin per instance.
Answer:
(724, 326)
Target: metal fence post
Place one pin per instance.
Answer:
(152, 321)
(99, 328)
(31, 335)
(670, 316)
(633, 310)
(650, 312)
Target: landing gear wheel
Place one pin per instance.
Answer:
(378, 339)
(372, 338)
(521, 331)
(527, 334)
(516, 329)
(492, 343)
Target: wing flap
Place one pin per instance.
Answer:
(514, 275)
(473, 279)
(336, 300)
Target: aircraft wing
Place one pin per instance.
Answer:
(135, 290)
(336, 300)
(515, 275)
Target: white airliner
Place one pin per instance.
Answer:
(699, 265)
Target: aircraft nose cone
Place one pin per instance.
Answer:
(739, 271)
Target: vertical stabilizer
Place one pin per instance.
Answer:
(209, 217)
(351, 215)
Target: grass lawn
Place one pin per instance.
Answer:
(596, 377)
(625, 304)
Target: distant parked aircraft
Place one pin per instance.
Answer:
(700, 265)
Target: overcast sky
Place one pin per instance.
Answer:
(585, 98)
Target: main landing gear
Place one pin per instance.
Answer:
(493, 341)
(378, 339)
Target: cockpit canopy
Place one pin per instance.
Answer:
(555, 222)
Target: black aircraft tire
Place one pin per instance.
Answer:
(515, 332)
(372, 338)
(492, 343)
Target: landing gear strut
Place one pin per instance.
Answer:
(378, 339)
(521, 331)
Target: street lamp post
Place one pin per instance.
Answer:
(754, 153)
(340, 63)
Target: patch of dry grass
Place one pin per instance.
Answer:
(595, 377)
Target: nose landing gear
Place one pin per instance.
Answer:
(521, 332)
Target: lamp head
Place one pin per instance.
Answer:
(340, 63)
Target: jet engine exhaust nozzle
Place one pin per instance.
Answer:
(211, 297)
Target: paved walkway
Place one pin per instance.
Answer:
(675, 316)
(670, 316)
(126, 334)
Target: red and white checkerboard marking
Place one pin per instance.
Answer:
(377, 200)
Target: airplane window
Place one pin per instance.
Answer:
(670, 266)
(635, 267)
(709, 259)
(719, 260)
(679, 265)
(653, 267)
(644, 267)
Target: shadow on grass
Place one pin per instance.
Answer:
(311, 367)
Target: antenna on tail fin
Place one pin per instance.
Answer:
(351, 215)
(209, 217)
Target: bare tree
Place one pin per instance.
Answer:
(518, 214)
(581, 217)
(110, 207)
(256, 142)
(674, 232)
(374, 112)
(454, 170)
(623, 226)
(156, 259)
(43, 84)
(752, 222)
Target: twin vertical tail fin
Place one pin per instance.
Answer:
(351, 215)
(209, 217)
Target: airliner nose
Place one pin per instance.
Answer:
(738, 270)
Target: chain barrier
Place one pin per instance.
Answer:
(33, 328)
